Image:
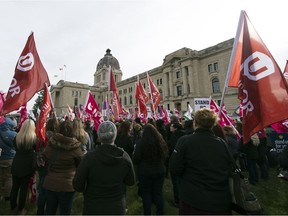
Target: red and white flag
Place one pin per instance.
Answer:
(164, 115)
(91, 108)
(47, 106)
(115, 103)
(262, 87)
(23, 115)
(141, 98)
(154, 94)
(29, 78)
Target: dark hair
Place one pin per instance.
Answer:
(154, 146)
(66, 128)
(177, 126)
(188, 124)
(52, 125)
(219, 132)
(124, 128)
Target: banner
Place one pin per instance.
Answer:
(29, 78)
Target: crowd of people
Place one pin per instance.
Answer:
(194, 154)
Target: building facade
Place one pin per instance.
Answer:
(184, 75)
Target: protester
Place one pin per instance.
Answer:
(124, 138)
(22, 166)
(188, 127)
(63, 155)
(89, 130)
(81, 135)
(232, 141)
(149, 157)
(7, 135)
(203, 162)
(102, 174)
(176, 130)
(262, 155)
(52, 127)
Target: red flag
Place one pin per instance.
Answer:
(141, 98)
(29, 78)
(41, 121)
(92, 109)
(262, 87)
(154, 94)
(116, 106)
(164, 115)
(23, 115)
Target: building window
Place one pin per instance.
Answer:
(179, 90)
(215, 85)
(144, 86)
(120, 92)
(125, 91)
(79, 93)
(188, 88)
(131, 99)
(177, 74)
(213, 67)
(120, 100)
(76, 102)
(157, 81)
(72, 93)
(161, 93)
(168, 106)
(125, 100)
(160, 81)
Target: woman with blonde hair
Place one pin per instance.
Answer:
(22, 164)
(81, 135)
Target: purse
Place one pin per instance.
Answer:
(243, 200)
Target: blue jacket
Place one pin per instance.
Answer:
(7, 135)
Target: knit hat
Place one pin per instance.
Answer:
(107, 132)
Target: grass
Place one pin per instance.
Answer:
(272, 195)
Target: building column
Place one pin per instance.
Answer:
(191, 79)
(166, 92)
(171, 88)
(184, 77)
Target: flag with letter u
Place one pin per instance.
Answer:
(29, 78)
(262, 87)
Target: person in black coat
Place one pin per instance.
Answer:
(102, 175)
(124, 139)
(203, 162)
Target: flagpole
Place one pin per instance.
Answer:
(240, 24)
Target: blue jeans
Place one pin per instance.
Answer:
(63, 199)
(151, 187)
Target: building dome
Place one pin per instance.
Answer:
(108, 60)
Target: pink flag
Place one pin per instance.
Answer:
(164, 115)
(2, 99)
(285, 73)
(262, 87)
(29, 78)
(23, 115)
(92, 108)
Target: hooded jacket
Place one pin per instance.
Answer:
(7, 136)
(63, 155)
(102, 176)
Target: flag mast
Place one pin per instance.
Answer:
(240, 24)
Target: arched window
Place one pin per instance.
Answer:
(215, 85)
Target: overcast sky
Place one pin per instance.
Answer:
(139, 33)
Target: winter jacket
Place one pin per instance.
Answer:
(63, 155)
(125, 142)
(203, 162)
(7, 135)
(22, 164)
(102, 176)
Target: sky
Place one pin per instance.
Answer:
(140, 33)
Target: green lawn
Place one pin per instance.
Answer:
(272, 194)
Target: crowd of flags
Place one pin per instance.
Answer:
(262, 90)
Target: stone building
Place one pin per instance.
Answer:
(184, 75)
